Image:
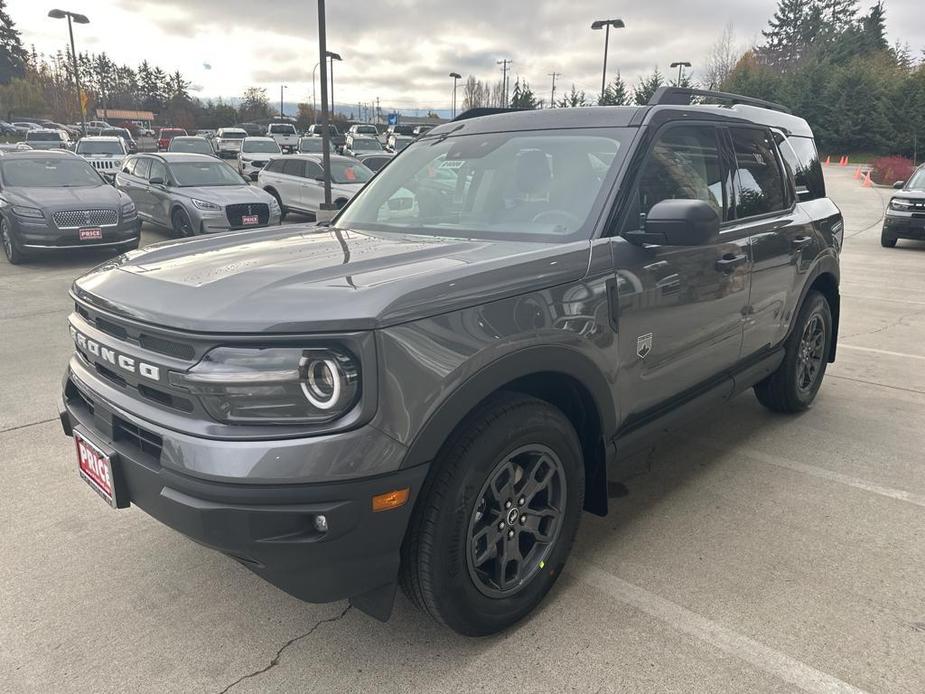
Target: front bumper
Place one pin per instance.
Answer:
(215, 221)
(269, 528)
(904, 225)
(250, 169)
(38, 234)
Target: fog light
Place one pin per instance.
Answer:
(321, 524)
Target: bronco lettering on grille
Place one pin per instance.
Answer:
(121, 361)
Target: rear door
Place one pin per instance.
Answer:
(139, 191)
(680, 307)
(780, 233)
(290, 182)
(312, 187)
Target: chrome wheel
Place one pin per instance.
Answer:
(516, 520)
(811, 353)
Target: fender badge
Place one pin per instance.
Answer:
(643, 345)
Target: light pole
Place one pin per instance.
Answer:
(456, 76)
(333, 57)
(281, 88)
(680, 65)
(606, 24)
(79, 19)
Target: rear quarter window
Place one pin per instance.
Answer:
(801, 156)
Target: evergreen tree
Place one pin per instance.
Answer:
(646, 87)
(522, 96)
(12, 54)
(573, 99)
(873, 29)
(615, 93)
(785, 35)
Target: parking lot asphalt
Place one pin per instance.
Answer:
(761, 553)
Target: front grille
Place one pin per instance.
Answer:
(168, 347)
(104, 164)
(73, 219)
(142, 439)
(111, 328)
(236, 212)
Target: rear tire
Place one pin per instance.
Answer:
(886, 240)
(793, 386)
(496, 520)
(14, 254)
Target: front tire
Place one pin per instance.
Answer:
(282, 209)
(181, 224)
(793, 386)
(495, 522)
(14, 254)
(886, 240)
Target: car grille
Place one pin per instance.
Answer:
(105, 164)
(137, 437)
(73, 219)
(236, 212)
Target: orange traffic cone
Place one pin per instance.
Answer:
(857, 174)
(846, 161)
(867, 182)
(828, 160)
(843, 161)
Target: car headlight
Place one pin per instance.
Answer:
(32, 212)
(900, 204)
(274, 385)
(128, 208)
(205, 204)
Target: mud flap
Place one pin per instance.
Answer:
(377, 602)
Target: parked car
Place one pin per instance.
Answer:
(375, 160)
(398, 129)
(194, 194)
(130, 145)
(285, 135)
(54, 200)
(8, 128)
(206, 133)
(99, 124)
(314, 145)
(104, 153)
(165, 135)
(905, 213)
(431, 390)
(396, 143)
(254, 155)
(25, 126)
(363, 129)
(252, 129)
(46, 138)
(333, 133)
(297, 181)
(361, 144)
(228, 142)
(192, 144)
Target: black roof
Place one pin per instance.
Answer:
(621, 116)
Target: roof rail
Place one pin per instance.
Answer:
(680, 96)
(479, 111)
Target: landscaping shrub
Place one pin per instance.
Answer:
(888, 170)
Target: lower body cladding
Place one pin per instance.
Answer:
(319, 542)
(907, 226)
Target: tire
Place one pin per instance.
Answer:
(886, 240)
(14, 254)
(282, 208)
(181, 224)
(793, 386)
(454, 549)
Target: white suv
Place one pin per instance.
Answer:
(228, 142)
(105, 154)
(297, 181)
(254, 155)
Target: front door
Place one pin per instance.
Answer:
(681, 308)
(157, 192)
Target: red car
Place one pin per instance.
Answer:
(166, 135)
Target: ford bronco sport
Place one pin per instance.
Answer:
(429, 391)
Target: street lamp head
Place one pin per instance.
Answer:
(80, 18)
(57, 14)
(456, 75)
(682, 63)
(601, 23)
(333, 56)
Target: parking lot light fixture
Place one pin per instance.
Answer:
(605, 24)
(74, 17)
(281, 88)
(333, 56)
(680, 65)
(456, 76)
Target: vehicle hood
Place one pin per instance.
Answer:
(916, 195)
(225, 195)
(77, 198)
(303, 279)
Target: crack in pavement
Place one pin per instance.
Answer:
(30, 424)
(275, 661)
(894, 324)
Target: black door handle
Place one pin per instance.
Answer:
(730, 262)
(800, 241)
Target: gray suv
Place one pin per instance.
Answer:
(430, 390)
(194, 194)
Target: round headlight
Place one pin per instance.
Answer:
(323, 382)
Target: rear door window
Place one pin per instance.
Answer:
(759, 180)
(158, 170)
(293, 167)
(803, 159)
(313, 170)
(143, 168)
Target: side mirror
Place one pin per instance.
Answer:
(156, 181)
(899, 185)
(678, 223)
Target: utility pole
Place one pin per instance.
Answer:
(378, 112)
(552, 94)
(504, 63)
(326, 208)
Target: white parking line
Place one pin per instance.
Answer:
(773, 662)
(842, 345)
(821, 473)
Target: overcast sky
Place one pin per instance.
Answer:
(403, 50)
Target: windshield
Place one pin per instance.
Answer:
(313, 144)
(116, 132)
(268, 146)
(365, 144)
(537, 186)
(403, 130)
(233, 134)
(195, 145)
(43, 137)
(204, 173)
(41, 172)
(917, 180)
(349, 172)
(366, 129)
(98, 147)
(282, 129)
